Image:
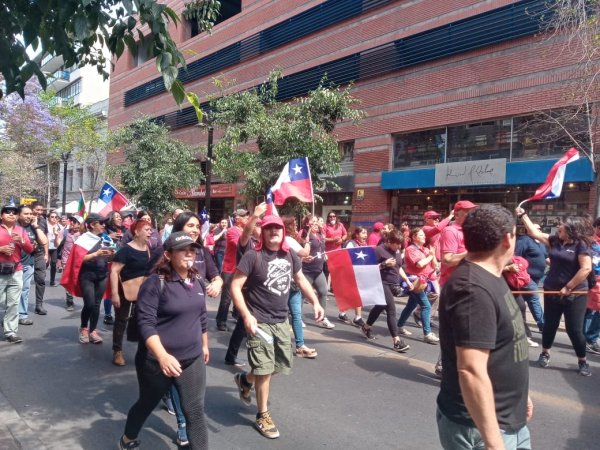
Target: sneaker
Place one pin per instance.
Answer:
(438, 370)
(108, 320)
(84, 336)
(182, 439)
(168, 404)
(417, 319)
(543, 360)
(532, 343)
(118, 358)
(403, 331)
(584, 369)
(594, 347)
(70, 308)
(303, 324)
(95, 338)
(368, 332)
(265, 425)
(25, 322)
(358, 322)
(130, 445)
(14, 339)
(325, 323)
(222, 326)
(431, 338)
(401, 346)
(342, 317)
(306, 352)
(235, 362)
(244, 388)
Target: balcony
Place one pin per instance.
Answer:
(59, 80)
(51, 63)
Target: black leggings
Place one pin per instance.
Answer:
(390, 308)
(523, 307)
(574, 312)
(92, 291)
(52, 259)
(153, 384)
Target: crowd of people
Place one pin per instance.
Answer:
(157, 282)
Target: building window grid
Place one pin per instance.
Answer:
(70, 91)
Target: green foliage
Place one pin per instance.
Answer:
(78, 29)
(281, 131)
(204, 12)
(155, 165)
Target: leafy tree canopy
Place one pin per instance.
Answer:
(281, 131)
(78, 29)
(155, 165)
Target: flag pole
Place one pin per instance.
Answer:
(522, 203)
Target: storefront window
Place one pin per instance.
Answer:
(549, 134)
(423, 148)
(476, 141)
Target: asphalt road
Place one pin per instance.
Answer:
(59, 394)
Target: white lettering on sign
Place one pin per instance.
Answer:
(471, 173)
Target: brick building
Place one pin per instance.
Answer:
(450, 87)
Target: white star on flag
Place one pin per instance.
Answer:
(297, 169)
(361, 255)
(107, 192)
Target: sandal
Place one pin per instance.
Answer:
(305, 352)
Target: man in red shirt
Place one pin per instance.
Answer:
(375, 236)
(433, 228)
(13, 241)
(229, 265)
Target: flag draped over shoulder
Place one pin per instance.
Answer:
(294, 181)
(204, 222)
(355, 277)
(552, 188)
(111, 199)
(70, 277)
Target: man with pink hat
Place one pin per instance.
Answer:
(433, 228)
(375, 235)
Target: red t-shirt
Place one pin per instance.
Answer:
(452, 240)
(374, 238)
(412, 256)
(333, 232)
(232, 237)
(6, 238)
(432, 235)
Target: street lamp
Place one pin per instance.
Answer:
(208, 123)
(65, 158)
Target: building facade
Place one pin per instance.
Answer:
(453, 93)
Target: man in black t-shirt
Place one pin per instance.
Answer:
(483, 399)
(267, 272)
(40, 258)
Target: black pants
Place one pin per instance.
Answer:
(92, 290)
(153, 384)
(225, 302)
(523, 307)
(52, 259)
(122, 314)
(39, 276)
(235, 341)
(574, 312)
(390, 308)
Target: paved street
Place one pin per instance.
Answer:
(58, 394)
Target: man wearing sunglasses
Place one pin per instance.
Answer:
(13, 241)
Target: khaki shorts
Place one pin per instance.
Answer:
(266, 359)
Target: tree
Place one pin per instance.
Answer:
(155, 165)
(280, 132)
(77, 30)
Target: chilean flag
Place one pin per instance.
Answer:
(111, 199)
(294, 181)
(355, 277)
(552, 188)
(205, 222)
(271, 210)
(70, 277)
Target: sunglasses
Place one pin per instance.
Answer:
(332, 216)
(10, 213)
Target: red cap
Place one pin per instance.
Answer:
(378, 226)
(464, 204)
(271, 220)
(430, 214)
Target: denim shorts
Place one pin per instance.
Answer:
(265, 358)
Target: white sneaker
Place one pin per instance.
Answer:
(303, 324)
(431, 339)
(532, 343)
(403, 331)
(325, 323)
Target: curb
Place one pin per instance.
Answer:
(15, 434)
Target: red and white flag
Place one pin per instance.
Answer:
(70, 277)
(111, 199)
(552, 188)
(355, 277)
(294, 181)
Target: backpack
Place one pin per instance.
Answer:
(520, 279)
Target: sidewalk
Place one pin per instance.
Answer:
(15, 434)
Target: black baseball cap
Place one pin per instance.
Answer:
(179, 240)
(93, 217)
(9, 207)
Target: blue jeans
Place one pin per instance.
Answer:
(455, 436)
(174, 393)
(295, 305)
(591, 328)
(24, 303)
(533, 301)
(414, 300)
(219, 256)
(107, 307)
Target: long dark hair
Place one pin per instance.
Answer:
(182, 219)
(579, 228)
(110, 222)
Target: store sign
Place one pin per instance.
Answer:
(217, 190)
(471, 173)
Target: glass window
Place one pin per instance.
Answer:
(423, 148)
(90, 178)
(70, 91)
(346, 151)
(476, 141)
(549, 134)
(69, 180)
(80, 177)
(228, 10)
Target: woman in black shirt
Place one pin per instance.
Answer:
(570, 264)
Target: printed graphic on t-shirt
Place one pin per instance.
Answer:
(520, 344)
(279, 276)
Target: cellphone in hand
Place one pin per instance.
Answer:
(260, 199)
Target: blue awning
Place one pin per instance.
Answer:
(520, 172)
